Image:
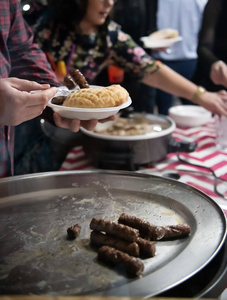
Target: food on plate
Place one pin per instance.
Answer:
(75, 78)
(136, 125)
(145, 228)
(69, 82)
(121, 231)
(122, 245)
(100, 239)
(73, 231)
(97, 97)
(132, 265)
(147, 248)
(58, 100)
(167, 33)
(154, 232)
(176, 231)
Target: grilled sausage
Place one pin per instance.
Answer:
(147, 248)
(154, 232)
(73, 231)
(121, 231)
(100, 239)
(132, 265)
(146, 230)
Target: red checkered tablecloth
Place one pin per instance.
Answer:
(206, 154)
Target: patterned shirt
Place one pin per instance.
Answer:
(92, 52)
(19, 57)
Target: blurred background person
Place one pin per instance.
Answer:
(212, 48)
(80, 33)
(185, 17)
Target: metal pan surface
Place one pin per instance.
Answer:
(36, 210)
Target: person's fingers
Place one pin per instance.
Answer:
(39, 97)
(73, 125)
(26, 85)
(219, 108)
(112, 118)
(89, 125)
(222, 92)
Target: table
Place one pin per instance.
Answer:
(206, 154)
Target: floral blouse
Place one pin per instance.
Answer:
(92, 53)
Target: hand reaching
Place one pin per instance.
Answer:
(215, 102)
(17, 104)
(218, 73)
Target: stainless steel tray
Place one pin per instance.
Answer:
(36, 210)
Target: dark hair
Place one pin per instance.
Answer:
(68, 12)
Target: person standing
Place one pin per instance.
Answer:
(212, 47)
(185, 17)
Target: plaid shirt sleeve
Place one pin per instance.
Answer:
(24, 58)
(19, 57)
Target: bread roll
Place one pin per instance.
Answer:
(97, 97)
(166, 33)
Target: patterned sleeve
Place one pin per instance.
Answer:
(127, 53)
(27, 59)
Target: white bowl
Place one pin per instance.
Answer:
(84, 113)
(189, 115)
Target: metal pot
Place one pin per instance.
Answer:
(136, 149)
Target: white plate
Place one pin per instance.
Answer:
(164, 43)
(189, 115)
(85, 113)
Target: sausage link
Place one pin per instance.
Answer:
(99, 239)
(147, 248)
(176, 231)
(74, 231)
(121, 231)
(133, 265)
(153, 232)
(146, 230)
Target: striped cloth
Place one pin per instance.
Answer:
(206, 154)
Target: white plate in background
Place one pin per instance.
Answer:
(162, 43)
(84, 113)
(189, 115)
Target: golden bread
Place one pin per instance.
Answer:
(97, 97)
(167, 33)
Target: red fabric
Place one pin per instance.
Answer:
(206, 154)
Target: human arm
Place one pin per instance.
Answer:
(169, 81)
(162, 77)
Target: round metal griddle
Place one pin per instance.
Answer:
(36, 210)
